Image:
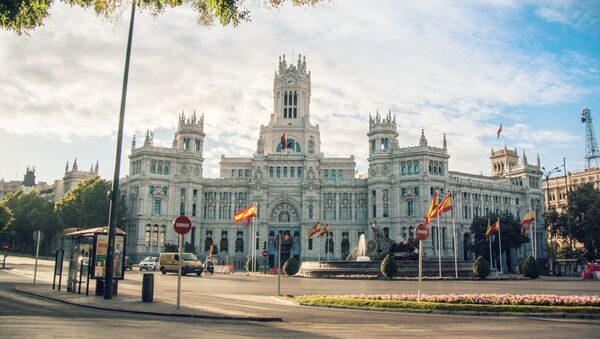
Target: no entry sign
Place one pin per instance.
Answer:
(422, 232)
(265, 254)
(182, 224)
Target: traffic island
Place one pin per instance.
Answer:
(586, 307)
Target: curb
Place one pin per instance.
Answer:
(189, 315)
(467, 313)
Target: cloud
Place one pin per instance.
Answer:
(439, 66)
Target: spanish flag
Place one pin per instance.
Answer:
(283, 142)
(432, 209)
(444, 206)
(324, 231)
(246, 214)
(313, 230)
(492, 229)
(527, 220)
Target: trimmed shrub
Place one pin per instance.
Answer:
(389, 267)
(531, 268)
(520, 266)
(291, 266)
(481, 267)
(249, 265)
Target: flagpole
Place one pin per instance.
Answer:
(327, 244)
(534, 234)
(500, 245)
(254, 240)
(454, 238)
(490, 243)
(319, 248)
(439, 241)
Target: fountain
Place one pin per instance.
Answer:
(365, 260)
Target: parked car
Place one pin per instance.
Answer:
(149, 264)
(169, 262)
(128, 264)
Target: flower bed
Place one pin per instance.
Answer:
(491, 299)
(450, 303)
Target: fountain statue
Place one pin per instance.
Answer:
(380, 246)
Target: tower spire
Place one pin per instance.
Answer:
(423, 140)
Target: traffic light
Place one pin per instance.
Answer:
(264, 246)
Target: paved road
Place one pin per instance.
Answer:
(24, 316)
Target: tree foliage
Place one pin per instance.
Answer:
(31, 213)
(511, 236)
(87, 205)
(6, 217)
(23, 16)
(583, 217)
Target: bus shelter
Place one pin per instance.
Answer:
(86, 251)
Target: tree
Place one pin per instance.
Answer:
(87, 205)
(583, 216)
(31, 213)
(23, 16)
(6, 217)
(511, 235)
(531, 268)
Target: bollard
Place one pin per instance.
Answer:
(148, 287)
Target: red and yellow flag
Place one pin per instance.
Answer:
(432, 209)
(324, 231)
(495, 228)
(246, 214)
(313, 230)
(527, 220)
(444, 206)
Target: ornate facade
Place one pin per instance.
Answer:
(297, 185)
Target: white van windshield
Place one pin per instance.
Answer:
(189, 257)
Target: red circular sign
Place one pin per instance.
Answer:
(5, 246)
(182, 224)
(422, 232)
(265, 254)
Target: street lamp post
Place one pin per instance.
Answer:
(547, 175)
(567, 207)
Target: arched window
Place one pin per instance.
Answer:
(247, 173)
(333, 173)
(386, 210)
(291, 144)
(148, 235)
(299, 172)
(285, 172)
(326, 174)
(417, 168)
(292, 172)
(162, 235)
(278, 171)
(271, 171)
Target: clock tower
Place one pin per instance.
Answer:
(291, 111)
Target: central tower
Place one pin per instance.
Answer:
(290, 120)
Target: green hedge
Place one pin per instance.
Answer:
(291, 266)
(389, 267)
(481, 267)
(531, 268)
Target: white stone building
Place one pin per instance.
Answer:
(297, 186)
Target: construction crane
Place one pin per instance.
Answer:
(591, 146)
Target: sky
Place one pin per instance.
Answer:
(455, 67)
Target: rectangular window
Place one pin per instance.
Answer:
(194, 210)
(310, 244)
(340, 173)
(386, 211)
(410, 208)
(299, 172)
(326, 174)
(182, 209)
(417, 190)
(372, 146)
(278, 172)
(333, 173)
(147, 238)
(285, 172)
(292, 172)
(271, 171)
(403, 191)
(157, 207)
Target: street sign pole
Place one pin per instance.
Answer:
(421, 233)
(420, 269)
(179, 271)
(37, 235)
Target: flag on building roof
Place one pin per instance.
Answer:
(432, 208)
(283, 141)
(495, 228)
(444, 206)
(246, 214)
(499, 131)
(324, 231)
(527, 220)
(315, 229)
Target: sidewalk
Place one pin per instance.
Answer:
(126, 304)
